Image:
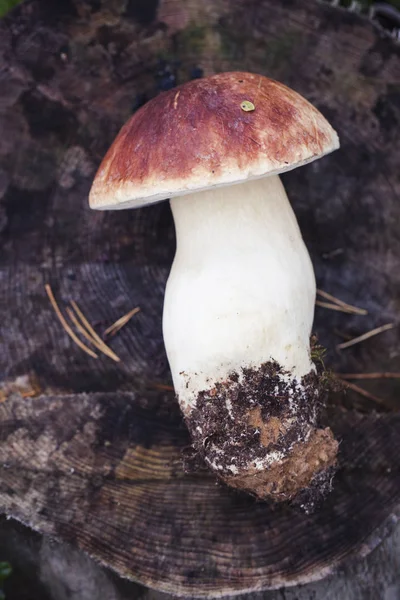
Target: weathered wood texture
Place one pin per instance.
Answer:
(95, 459)
(103, 472)
(49, 570)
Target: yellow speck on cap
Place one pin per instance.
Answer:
(247, 106)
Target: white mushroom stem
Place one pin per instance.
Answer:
(241, 290)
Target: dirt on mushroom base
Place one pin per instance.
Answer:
(258, 431)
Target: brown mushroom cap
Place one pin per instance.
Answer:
(200, 135)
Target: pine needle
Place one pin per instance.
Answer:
(334, 307)
(365, 336)
(121, 322)
(96, 339)
(29, 393)
(65, 325)
(362, 392)
(102, 347)
(350, 308)
(163, 386)
(384, 375)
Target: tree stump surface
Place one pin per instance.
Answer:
(90, 450)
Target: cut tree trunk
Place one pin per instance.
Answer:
(90, 449)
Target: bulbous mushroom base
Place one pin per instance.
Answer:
(258, 431)
(305, 474)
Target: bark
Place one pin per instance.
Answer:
(93, 457)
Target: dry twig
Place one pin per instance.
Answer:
(121, 322)
(365, 336)
(65, 325)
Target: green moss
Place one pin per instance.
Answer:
(280, 50)
(317, 352)
(231, 43)
(270, 54)
(6, 5)
(5, 572)
(327, 380)
(191, 39)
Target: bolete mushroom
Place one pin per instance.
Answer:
(239, 301)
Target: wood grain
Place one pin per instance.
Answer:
(104, 472)
(95, 460)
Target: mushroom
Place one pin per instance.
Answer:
(239, 302)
